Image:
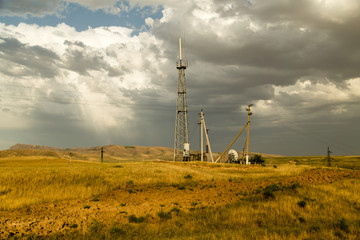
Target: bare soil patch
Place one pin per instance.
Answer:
(144, 200)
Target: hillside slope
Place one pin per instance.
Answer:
(112, 153)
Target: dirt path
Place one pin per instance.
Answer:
(116, 206)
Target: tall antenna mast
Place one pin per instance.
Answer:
(182, 135)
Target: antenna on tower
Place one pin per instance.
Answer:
(182, 135)
(180, 48)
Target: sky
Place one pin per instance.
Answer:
(83, 73)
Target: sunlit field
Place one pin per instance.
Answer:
(44, 197)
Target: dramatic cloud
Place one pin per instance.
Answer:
(297, 62)
(91, 78)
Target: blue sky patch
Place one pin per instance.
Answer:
(81, 18)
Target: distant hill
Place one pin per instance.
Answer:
(19, 146)
(112, 153)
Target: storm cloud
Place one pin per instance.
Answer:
(297, 62)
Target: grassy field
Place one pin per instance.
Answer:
(350, 162)
(43, 197)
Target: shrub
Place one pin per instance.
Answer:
(73, 225)
(134, 219)
(96, 227)
(164, 215)
(301, 203)
(194, 204)
(86, 207)
(268, 193)
(257, 159)
(339, 234)
(117, 231)
(302, 219)
(175, 210)
(269, 190)
(5, 191)
(315, 228)
(344, 225)
(294, 185)
(181, 187)
(273, 187)
(129, 183)
(188, 177)
(95, 197)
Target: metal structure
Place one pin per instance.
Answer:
(246, 148)
(182, 135)
(204, 129)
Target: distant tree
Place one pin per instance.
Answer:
(257, 159)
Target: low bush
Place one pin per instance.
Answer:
(301, 203)
(344, 225)
(134, 219)
(315, 228)
(268, 193)
(270, 189)
(73, 225)
(117, 231)
(175, 210)
(188, 176)
(257, 159)
(164, 215)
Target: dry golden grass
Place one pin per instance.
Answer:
(331, 210)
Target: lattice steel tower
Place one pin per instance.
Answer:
(182, 136)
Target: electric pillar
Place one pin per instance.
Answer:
(208, 147)
(182, 135)
(102, 154)
(70, 155)
(248, 133)
(328, 157)
(201, 137)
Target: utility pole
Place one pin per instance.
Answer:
(70, 154)
(201, 137)
(207, 145)
(182, 135)
(102, 154)
(248, 133)
(328, 157)
(207, 138)
(246, 147)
